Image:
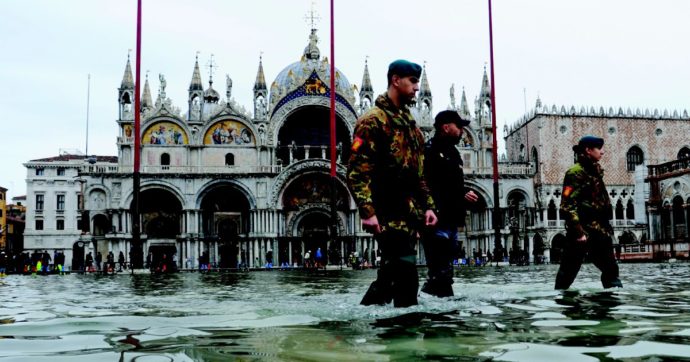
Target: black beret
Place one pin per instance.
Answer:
(591, 142)
(449, 116)
(404, 68)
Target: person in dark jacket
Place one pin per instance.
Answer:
(443, 172)
(587, 210)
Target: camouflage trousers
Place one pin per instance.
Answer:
(599, 249)
(397, 279)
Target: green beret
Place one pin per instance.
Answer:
(404, 68)
(591, 142)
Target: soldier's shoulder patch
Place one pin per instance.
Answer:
(356, 144)
(567, 191)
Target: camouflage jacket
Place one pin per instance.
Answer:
(386, 173)
(585, 201)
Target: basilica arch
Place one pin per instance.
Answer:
(225, 222)
(345, 117)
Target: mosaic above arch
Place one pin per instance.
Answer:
(164, 133)
(229, 132)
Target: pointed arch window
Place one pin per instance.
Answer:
(229, 159)
(551, 211)
(634, 157)
(630, 210)
(684, 153)
(619, 210)
(165, 159)
(535, 159)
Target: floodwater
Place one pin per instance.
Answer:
(499, 313)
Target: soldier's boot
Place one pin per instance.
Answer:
(440, 284)
(405, 284)
(565, 278)
(380, 291)
(377, 294)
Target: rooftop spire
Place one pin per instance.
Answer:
(366, 80)
(464, 109)
(127, 79)
(260, 78)
(196, 77)
(486, 88)
(424, 89)
(146, 100)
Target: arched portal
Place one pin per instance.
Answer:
(101, 225)
(225, 218)
(538, 249)
(476, 222)
(313, 230)
(161, 213)
(557, 244)
(306, 134)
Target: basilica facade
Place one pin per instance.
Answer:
(246, 186)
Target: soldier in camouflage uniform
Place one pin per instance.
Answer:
(386, 178)
(587, 210)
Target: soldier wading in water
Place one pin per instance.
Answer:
(386, 178)
(587, 209)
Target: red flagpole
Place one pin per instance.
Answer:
(494, 154)
(137, 255)
(333, 153)
(334, 182)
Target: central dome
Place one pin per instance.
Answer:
(297, 73)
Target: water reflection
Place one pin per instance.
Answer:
(506, 314)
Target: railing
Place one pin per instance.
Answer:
(623, 222)
(275, 169)
(555, 223)
(100, 169)
(125, 140)
(636, 248)
(526, 169)
(669, 168)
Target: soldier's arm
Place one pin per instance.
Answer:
(423, 185)
(362, 164)
(571, 194)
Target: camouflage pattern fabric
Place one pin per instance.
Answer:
(585, 201)
(385, 172)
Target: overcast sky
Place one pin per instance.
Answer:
(618, 53)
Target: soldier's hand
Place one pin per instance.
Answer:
(371, 225)
(430, 218)
(581, 239)
(470, 196)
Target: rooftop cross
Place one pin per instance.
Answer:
(210, 66)
(313, 16)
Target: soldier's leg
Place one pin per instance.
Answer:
(571, 261)
(604, 258)
(439, 263)
(405, 277)
(380, 291)
(406, 283)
